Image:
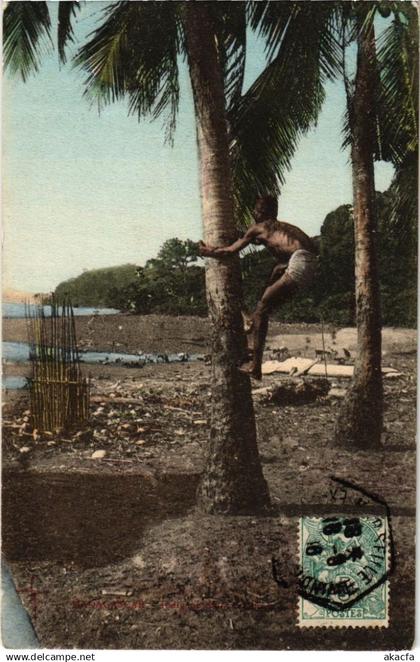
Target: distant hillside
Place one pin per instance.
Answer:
(99, 287)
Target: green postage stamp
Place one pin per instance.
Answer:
(344, 564)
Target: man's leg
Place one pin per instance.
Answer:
(275, 275)
(275, 294)
(277, 272)
(259, 334)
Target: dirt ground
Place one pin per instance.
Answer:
(113, 553)
(147, 333)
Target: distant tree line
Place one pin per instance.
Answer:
(173, 282)
(99, 287)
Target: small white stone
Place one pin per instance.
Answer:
(24, 449)
(138, 561)
(98, 455)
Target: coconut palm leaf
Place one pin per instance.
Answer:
(404, 210)
(270, 20)
(66, 13)
(126, 58)
(230, 21)
(396, 84)
(355, 21)
(26, 28)
(284, 102)
(398, 111)
(398, 62)
(278, 22)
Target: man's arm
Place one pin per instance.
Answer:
(238, 245)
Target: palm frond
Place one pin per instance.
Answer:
(348, 34)
(358, 21)
(26, 29)
(133, 54)
(270, 20)
(284, 102)
(397, 102)
(230, 24)
(403, 220)
(66, 13)
(396, 93)
(274, 21)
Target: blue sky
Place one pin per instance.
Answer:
(84, 191)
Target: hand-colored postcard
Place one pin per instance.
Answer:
(209, 325)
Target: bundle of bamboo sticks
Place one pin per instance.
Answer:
(59, 392)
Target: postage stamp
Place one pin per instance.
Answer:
(344, 564)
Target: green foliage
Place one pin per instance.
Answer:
(66, 14)
(27, 34)
(26, 27)
(336, 268)
(99, 287)
(133, 54)
(397, 100)
(283, 103)
(331, 296)
(173, 282)
(170, 283)
(397, 264)
(399, 308)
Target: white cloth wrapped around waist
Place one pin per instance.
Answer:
(302, 267)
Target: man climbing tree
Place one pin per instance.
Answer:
(295, 254)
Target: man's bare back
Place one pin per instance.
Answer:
(295, 254)
(281, 239)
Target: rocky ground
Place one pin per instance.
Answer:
(101, 530)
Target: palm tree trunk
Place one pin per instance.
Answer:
(233, 481)
(361, 418)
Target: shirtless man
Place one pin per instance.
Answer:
(296, 264)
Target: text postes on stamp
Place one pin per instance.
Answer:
(344, 563)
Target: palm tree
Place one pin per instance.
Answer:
(233, 475)
(232, 427)
(382, 124)
(134, 53)
(360, 419)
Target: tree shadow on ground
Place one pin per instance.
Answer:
(86, 518)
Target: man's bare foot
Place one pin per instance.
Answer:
(251, 369)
